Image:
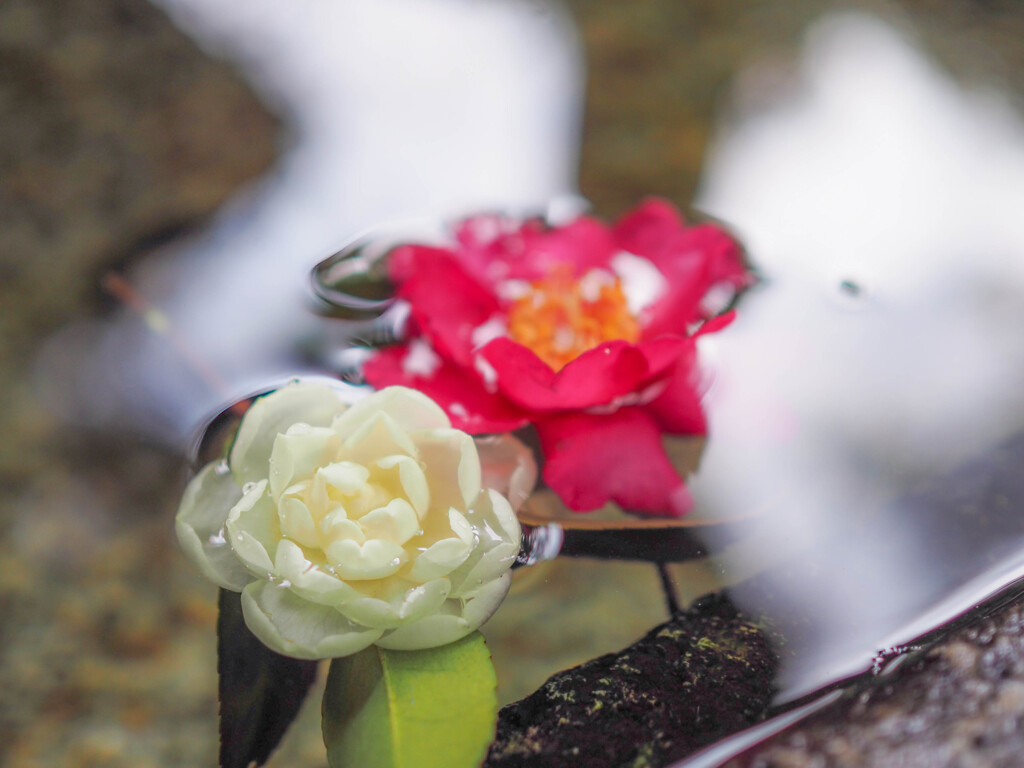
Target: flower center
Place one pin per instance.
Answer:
(561, 317)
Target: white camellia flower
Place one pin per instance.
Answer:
(347, 525)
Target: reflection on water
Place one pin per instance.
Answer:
(396, 110)
(880, 202)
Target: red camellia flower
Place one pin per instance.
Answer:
(585, 331)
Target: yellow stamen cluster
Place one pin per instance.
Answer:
(559, 323)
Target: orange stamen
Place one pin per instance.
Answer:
(559, 324)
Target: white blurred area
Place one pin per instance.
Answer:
(878, 171)
(882, 203)
(393, 109)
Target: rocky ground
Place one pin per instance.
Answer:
(118, 133)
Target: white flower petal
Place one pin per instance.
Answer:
(297, 453)
(297, 522)
(439, 559)
(375, 559)
(485, 602)
(428, 632)
(307, 579)
(371, 612)
(398, 601)
(413, 481)
(370, 497)
(483, 569)
(396, 522)
(200, 526)
(347, 476)
(254, 529)
(271, 415)
(376, 438)
(337, 527)
(505, 520)
(410, 409)
(461, 527)
(295, 627)
(424, 600)
(450, 455)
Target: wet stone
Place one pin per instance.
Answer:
(960, 703)
(687, 683)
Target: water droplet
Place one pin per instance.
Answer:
(221, 467)
(396, 562)
(285, 584)
(541, 543)
(218, 539)
(247, 488)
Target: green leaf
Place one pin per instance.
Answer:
(435, 708)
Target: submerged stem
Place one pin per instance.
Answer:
(671, 599)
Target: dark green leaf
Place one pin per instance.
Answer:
(260, 691)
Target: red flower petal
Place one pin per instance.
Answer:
(723, 252)
(677, 409)
(590, 460)
(664, 352)
(469, 405)
(645, 230)
(491, 250)
(657, 231)
(692, 259)
(447, 303)
(716, 323)
(583, 244)
(404, 261)
(691, 262)
(597, 377)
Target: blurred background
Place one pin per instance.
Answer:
(170, 172)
